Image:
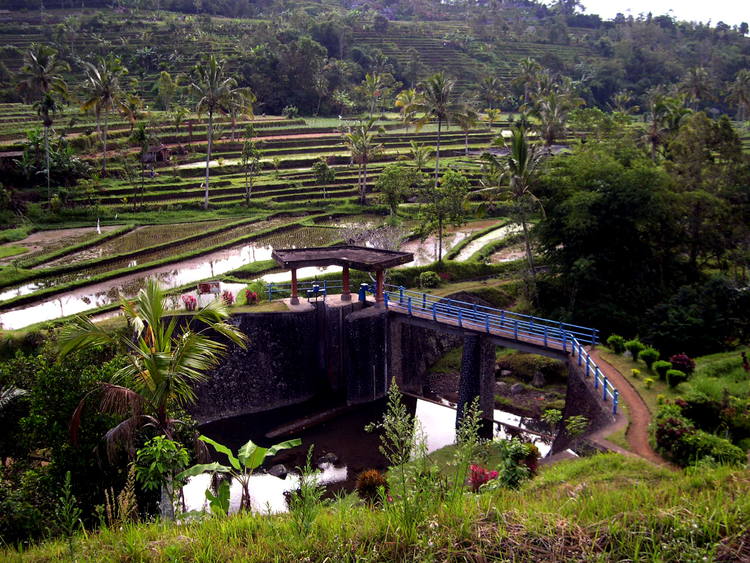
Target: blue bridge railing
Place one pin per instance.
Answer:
(309, 289)
(509, 324)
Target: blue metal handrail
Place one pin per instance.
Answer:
(323, 286)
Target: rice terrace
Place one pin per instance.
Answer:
(404, 280)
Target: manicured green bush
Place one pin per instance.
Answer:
(616, 343)
(675, 377)
(661, 367)
(429, 279)
(704, 445)
(635, 373)
(648, 382)
(635, 347)
(649, 355)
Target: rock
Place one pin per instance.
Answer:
(505, 373)
(279, 470)
(330, 458)
(516, 389)
(538, 380)
(502, 388)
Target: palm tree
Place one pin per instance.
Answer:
(436, 102)
(240, 105)
(41, 77)
(528, 69)
(493, 115)
(407, 100)
(490, 90)
(696, 85)
(552, 111)
(420, 154)
(103, 91)
(739, 94)
(165, 357)
(215, 91)
(372, 86)
(361, 143)
(622, 101)
(466, 119)
(520, 169)
(130, 107)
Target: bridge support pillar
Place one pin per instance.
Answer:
(477, 375)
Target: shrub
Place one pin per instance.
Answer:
(190, 302)
(251, 298)
(228, 297)
(635, 373)
(635, 347)
(616, 343)
(429, 279)
(683, 363)
(648, 382)
(649, 355)
(675, 377)
(661, 367)
(290, 112)
(702, 445)
(369, 483)
(479, 476)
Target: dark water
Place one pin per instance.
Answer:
(341, 434)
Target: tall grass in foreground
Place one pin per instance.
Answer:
(602, 508)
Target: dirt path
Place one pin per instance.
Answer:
(640, 416)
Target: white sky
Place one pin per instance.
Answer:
(731, 12)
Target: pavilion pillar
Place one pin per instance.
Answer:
(345, 293)
(294, 299)
(379, 286)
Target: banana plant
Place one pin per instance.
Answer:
(241, 466)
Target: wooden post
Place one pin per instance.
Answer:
(345, 293)
(378, 286)
(295, 299)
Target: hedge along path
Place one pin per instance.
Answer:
(640, 417)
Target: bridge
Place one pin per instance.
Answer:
(527, 333)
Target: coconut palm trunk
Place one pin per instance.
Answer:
(208, 154)
(104, 143)
(437, 151)
(46, 157)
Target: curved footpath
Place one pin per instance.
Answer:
(638, 413)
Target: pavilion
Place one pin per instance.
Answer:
(355, 257)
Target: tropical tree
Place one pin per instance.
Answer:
(166, 88)
(144, 137)
(130, 106)
(436, 103)
(666, 114)
(622, 101)
(739, 94)
(697, 85)
(466, 119)
(492, 115)
(444, 203)
(250, 162)
(407, 101)
(396, 183)
(241, 105)
(552, 110)
(520, 170)
(241, 466)
(420, 154)
(528, 69)
(41, 78)
(165, 357)
(360, 141)
(215, 92)
(103, 91)
(372, 88)
(490, 91)
(324, 174)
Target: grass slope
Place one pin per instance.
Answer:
(602, 508)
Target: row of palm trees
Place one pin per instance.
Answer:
(42, 78)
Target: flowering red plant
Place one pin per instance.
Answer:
(228, 297)
(251, 297)
(190, 302)
(478, 476)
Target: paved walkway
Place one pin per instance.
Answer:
(640, 416)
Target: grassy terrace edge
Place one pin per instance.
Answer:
(606, 507)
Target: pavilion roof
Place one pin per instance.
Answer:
(356, 257)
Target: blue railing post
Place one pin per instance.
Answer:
(270, 291)
(515, 329)
(460, 323)
(434, 312)
(604, 388)
(363, 292)
(593, 336)
(424, 301)
(615, 401)
(408, 305)
(545, 336)
(487, 323)
(502, 318)
(596, 378)
(588, 365)
(564, 339)
(401, 295)
(580, 354)
(386, 299)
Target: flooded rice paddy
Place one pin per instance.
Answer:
(426, 251)
(492, 236)
(44, 242)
